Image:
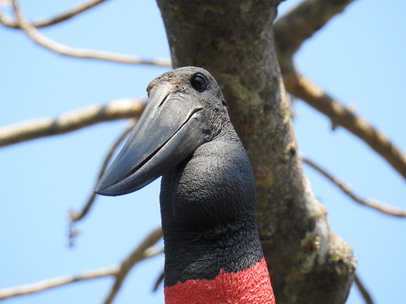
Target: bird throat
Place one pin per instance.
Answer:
(224, 264)
(251, 285)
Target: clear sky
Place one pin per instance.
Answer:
(359, 58)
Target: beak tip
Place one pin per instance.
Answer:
(102, 189)
(107, 189)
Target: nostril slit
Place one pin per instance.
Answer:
(164, 100)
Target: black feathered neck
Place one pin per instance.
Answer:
(208, 213)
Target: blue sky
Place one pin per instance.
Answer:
(358, 58)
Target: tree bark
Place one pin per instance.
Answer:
(234, 41)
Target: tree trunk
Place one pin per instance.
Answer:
(233, 40)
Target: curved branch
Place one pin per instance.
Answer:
(159, 281)
(28, 130)
(138, 254)
(12, 23)
(300, 23)
(56, 282)
(303, 88)
(76, 216)
(144, 251)
(290, 31)
(61, 49)
(389, 210)
(362, 289)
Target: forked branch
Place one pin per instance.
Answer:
(290, 31)
(61, 49)
(144, 251)
(302, 22)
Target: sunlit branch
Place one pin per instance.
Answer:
(70, 121)
(76, 216)
(56, 282)
(303, 88)
(158, 281)
(10, 22)
(144, 251)
(61, 49)
(362, 289)
(291, 30)
(389, 210)
(138, 254)
(301, 22)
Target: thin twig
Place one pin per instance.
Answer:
(138, 254)
(76, 216)
(158, 281)
(389, 210)
(340, 115)
(10, 22)
(61, 49)
(57, 282)
(364, 292)
(70, 121)
(144, 251)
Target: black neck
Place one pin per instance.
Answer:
(201, 254)
(208, 214)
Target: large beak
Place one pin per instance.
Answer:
(169, 130)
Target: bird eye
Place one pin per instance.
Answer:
(198, 82)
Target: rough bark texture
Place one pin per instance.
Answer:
(234, 41)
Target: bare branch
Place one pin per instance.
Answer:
(304, 89)
(291, 30)
(389, 210)
(144, 251)
(61, 49)
(158, 281)
(10, 22)
(364, 292)
(28, 130)
(74, 216)
(77, 216)
(138, 254)
(300, 23)
(57, 282)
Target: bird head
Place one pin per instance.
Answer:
(185, 109)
